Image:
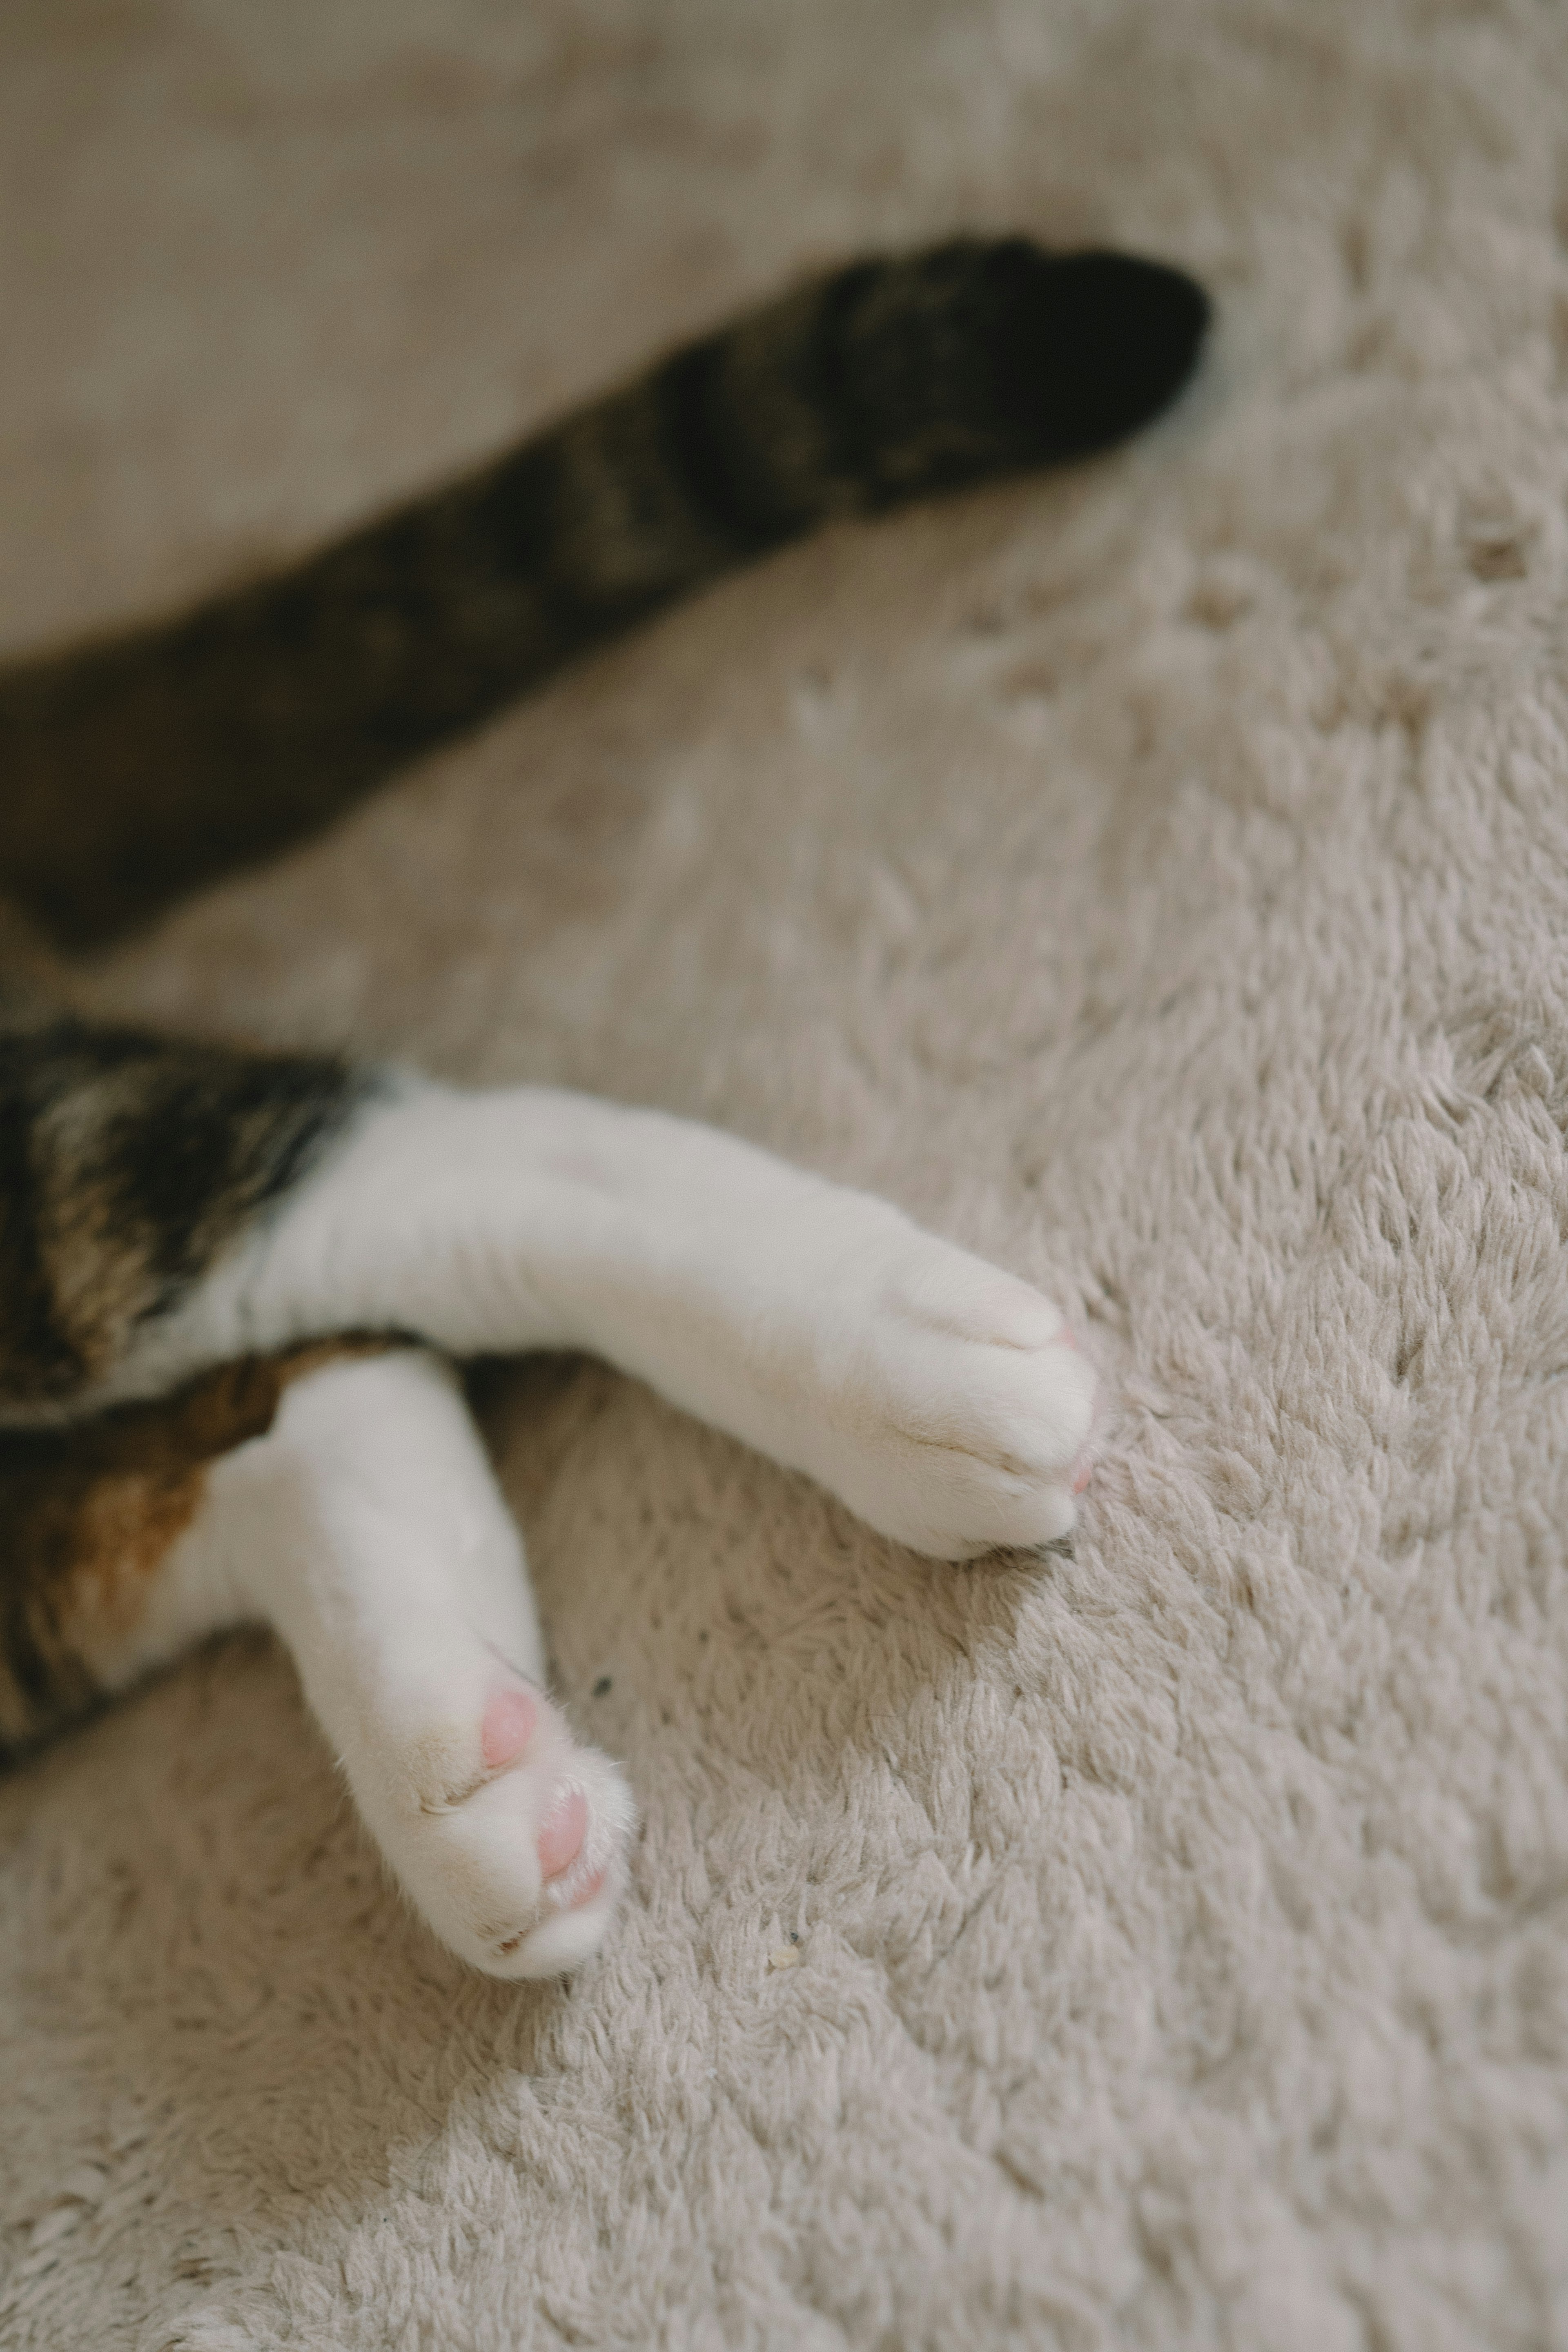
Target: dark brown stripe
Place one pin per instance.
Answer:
(127, 1163)
(720, 488)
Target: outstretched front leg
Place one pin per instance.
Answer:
(344, 1499)
(269, 1202)
(942, 1398)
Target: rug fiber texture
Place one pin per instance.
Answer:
(1154, 877)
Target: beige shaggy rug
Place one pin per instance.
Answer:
(1156, 877)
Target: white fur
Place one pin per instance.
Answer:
(366, 1528)
(936, 1396)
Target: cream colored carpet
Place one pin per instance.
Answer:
(1157, 879)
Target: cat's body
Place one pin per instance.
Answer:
(222, 1274)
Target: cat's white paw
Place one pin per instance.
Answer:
(510, 1838)
(956, 1407)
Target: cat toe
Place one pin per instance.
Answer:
(561, 1839)
(968, 1424)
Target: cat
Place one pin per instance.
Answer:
(233, 1282)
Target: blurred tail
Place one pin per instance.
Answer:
(133, 768)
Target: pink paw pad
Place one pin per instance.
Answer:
(561, 1839)
(589, 1888)
(508, 1727)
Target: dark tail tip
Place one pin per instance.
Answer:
(981, 355)
(1095, 345)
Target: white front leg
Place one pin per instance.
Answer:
(366, 1528)
(942, 1399)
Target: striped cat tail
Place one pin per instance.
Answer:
(133, 768)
